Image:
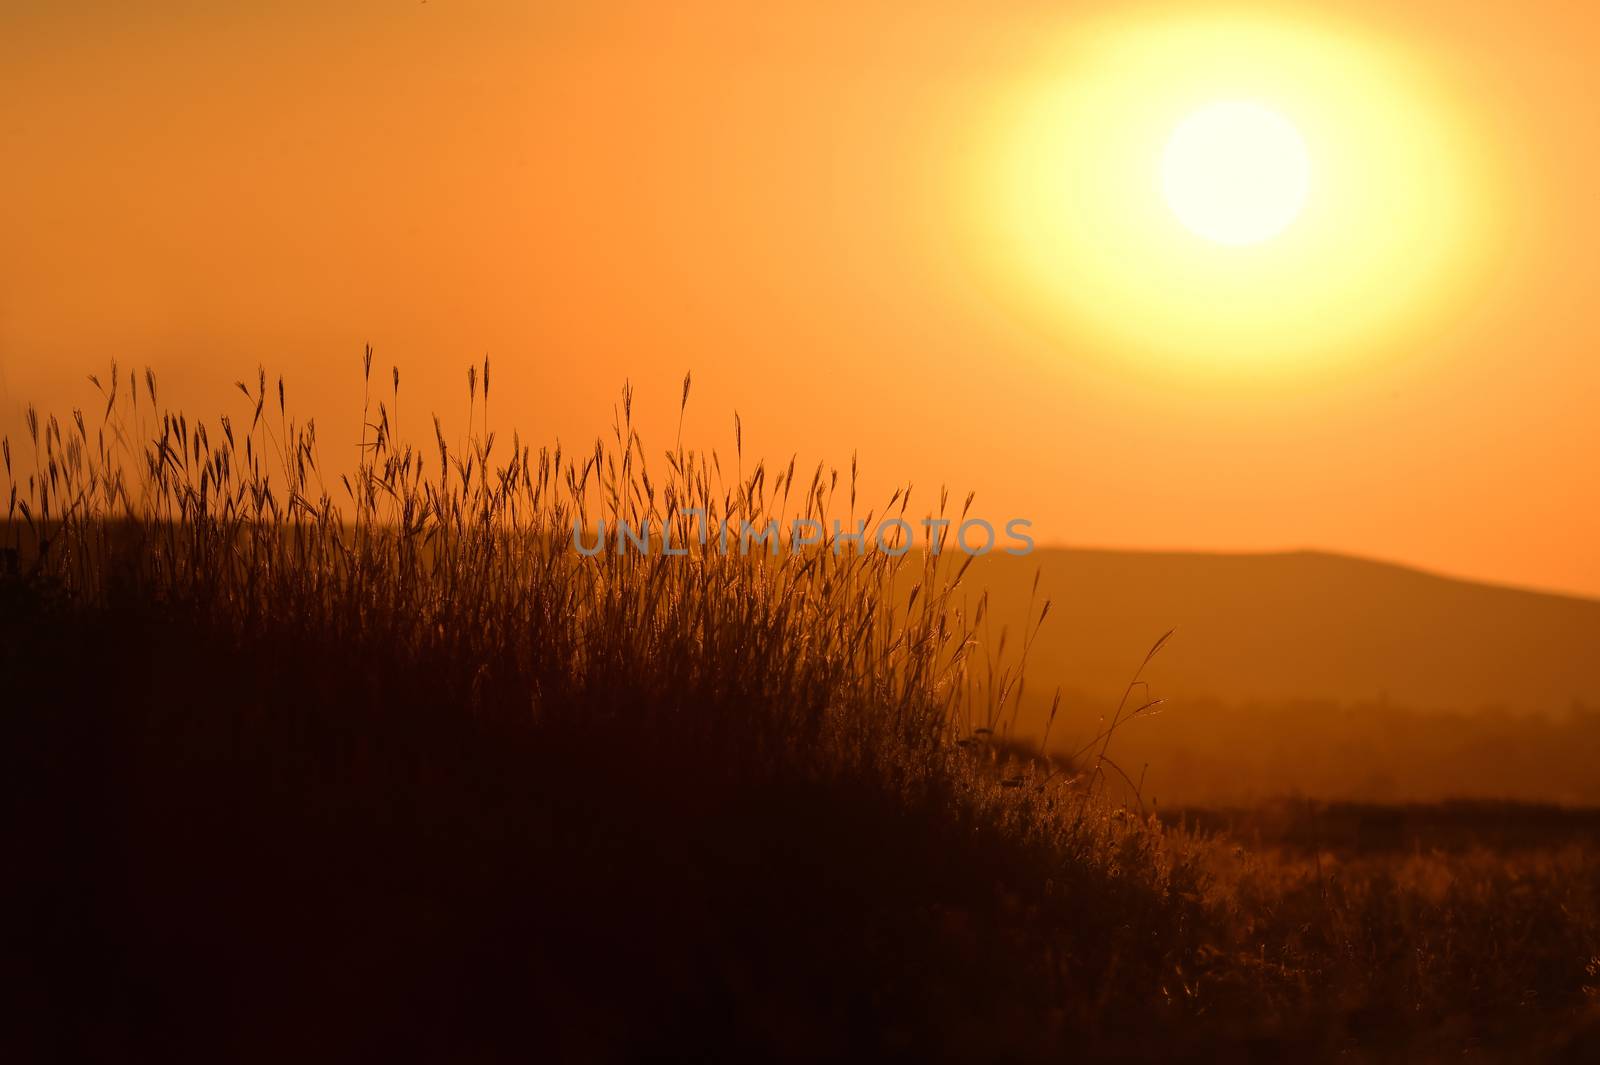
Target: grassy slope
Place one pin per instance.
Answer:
(287, 847)
(439, 788)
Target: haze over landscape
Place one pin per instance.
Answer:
(1312, 674)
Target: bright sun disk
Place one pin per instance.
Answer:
(1235, 172)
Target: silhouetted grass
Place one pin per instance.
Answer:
(390, 770)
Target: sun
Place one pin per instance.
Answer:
(1230, 197)
(1236, 172)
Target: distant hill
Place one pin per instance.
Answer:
(1301, 625)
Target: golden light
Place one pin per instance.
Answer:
(1342, 202)
(1235, 172)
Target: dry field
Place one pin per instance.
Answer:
(371, 764)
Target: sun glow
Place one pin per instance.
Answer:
(1341, 204)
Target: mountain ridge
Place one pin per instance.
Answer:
(1297, 625)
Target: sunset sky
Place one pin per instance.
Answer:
(930, 233)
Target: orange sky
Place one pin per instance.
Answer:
(771, 195)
